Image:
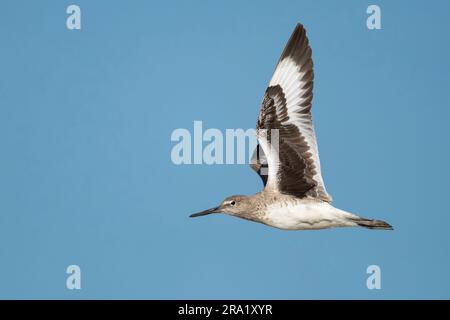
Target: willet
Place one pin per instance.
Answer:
(294, 195)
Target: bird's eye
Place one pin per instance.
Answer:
(233, 203)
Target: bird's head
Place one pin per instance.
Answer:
(234, 205)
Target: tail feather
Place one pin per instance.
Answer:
(373, 224)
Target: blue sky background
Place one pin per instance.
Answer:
(86, 176)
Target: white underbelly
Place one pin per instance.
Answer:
(306, 215)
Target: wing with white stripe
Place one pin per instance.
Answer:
(291, 149)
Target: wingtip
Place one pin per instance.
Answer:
(297, 46)
(299, 25)
(299, 28)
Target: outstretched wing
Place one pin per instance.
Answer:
(284, 127)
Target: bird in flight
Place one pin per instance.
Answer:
(287, 158)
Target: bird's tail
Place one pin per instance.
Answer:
(373, 224)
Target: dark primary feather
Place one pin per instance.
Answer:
(259, 163)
